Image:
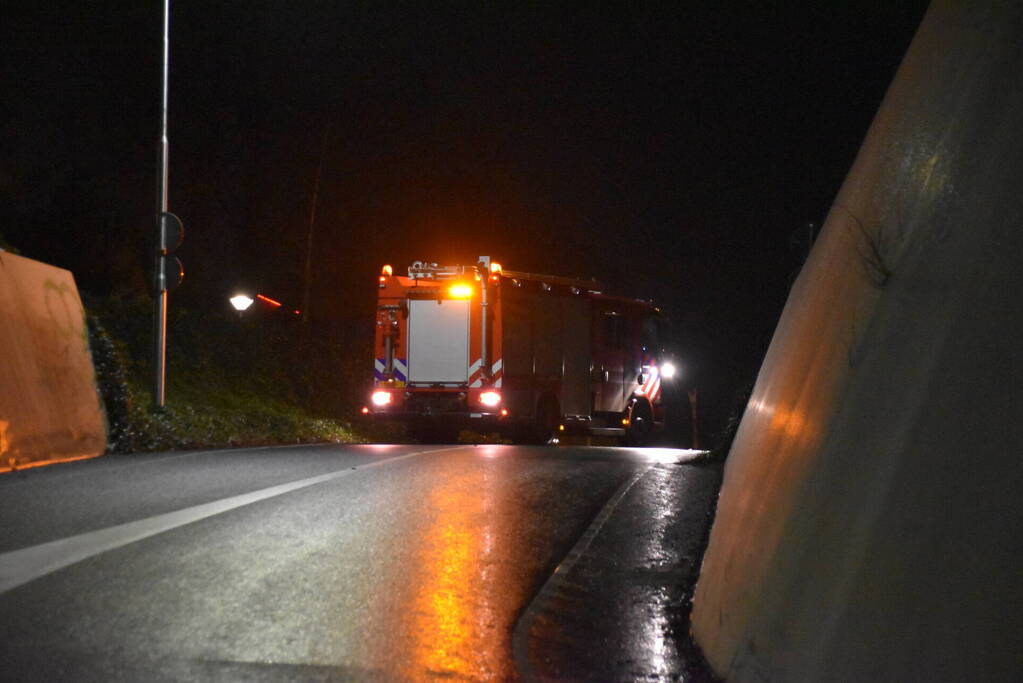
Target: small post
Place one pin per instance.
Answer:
(695, 418)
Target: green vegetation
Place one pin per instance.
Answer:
(231, 381)
(5, 246)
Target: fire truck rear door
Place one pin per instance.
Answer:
(438, 341)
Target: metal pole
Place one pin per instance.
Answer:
(694, 416)
(484, 270)
(160, 318)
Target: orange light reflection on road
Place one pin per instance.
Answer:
(457, 604)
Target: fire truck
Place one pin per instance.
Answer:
(529, 356)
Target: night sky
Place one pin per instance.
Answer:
(673, 151)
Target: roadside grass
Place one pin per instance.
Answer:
(223, 417)
(230, 382)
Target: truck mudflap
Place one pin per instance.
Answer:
(446, 427)
(467, 419)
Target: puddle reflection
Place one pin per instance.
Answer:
(465, 592)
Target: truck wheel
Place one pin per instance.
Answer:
(641, 424)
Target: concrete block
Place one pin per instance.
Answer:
(49, 404)
(869, 525)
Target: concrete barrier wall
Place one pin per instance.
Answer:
(869, 526)
(49, 405)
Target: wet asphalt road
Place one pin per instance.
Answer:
(353, 563)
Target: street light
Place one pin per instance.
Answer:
(241, 302)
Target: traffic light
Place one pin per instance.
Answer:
(169, 271)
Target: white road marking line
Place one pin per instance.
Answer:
(21, 566)
(111, 463)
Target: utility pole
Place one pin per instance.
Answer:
(695, 418)
(312, 225)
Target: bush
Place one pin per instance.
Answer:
(6, 246)
(110, 362)
(230, 382)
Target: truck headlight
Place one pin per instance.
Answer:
(667, 371)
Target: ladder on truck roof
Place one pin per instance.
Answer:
(423, 270)
(432, 271)
(578, 283)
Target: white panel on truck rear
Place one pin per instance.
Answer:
(438, 341)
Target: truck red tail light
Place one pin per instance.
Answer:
(381, 398)
(490, 398)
